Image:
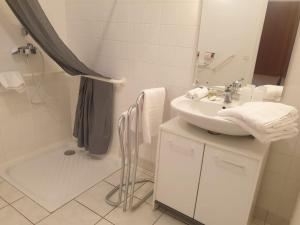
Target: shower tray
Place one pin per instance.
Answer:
(53, 178)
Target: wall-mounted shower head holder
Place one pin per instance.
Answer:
(26, 50)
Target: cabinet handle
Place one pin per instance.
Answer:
(229, 162)
(181, 150)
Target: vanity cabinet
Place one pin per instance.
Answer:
(212, 179)
(179, 172)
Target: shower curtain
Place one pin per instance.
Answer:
(93, 120)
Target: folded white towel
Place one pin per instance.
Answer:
(267, 137)
(262, 116)
(267, 121)
(152, 114)
(12, 80)
(273, 92)
(197, 93)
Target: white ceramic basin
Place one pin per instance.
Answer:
(203, 113)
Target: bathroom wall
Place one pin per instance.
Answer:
(281, 183)
(150, 43)
(26, 127)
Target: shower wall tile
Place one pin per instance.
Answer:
(25, 127)
(151, 43)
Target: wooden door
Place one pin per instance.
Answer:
(278, 37)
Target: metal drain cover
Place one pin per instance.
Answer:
(69, 152)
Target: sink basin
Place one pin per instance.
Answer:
(203, 113)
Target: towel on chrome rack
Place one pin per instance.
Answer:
(152, 113)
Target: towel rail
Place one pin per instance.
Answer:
(130, 148)
(107, 80)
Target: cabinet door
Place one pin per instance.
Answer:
(178, 173)
(226, 189)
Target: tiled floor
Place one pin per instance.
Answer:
(89, 208)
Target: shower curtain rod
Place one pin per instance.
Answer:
(107, 80)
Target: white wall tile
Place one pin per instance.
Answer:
(152, 43)
(26, 127)
(139, 47)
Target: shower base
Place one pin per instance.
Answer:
(52, 178)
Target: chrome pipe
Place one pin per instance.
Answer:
(139, 103)
(139, 107)
(121, 128)
(128, 154)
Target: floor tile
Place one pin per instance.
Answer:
(94, 198)
(168, 220)
(2, 203)
(104, 222)
(71, 214)
(147, 172)
(9, 216)
(145, 189)
(30, 209)
(114, 179)
(9, 193)
(143, 215)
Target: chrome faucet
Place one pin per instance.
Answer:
(231, 90)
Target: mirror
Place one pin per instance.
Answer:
(250, 40)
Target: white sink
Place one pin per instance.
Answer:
(203, 113)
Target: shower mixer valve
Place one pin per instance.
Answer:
(26, 50)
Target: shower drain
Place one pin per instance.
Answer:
(69, 152)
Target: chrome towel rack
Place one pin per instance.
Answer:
(129, 139)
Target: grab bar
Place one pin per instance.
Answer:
(107, 80)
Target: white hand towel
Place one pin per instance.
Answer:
(152, 114)
(262, 115)
(197, 93)
(12, 80)
(273, 92)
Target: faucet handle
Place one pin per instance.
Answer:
(237, 84)
(228, 87)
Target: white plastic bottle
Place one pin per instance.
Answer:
(246, 93)
(258, 94)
